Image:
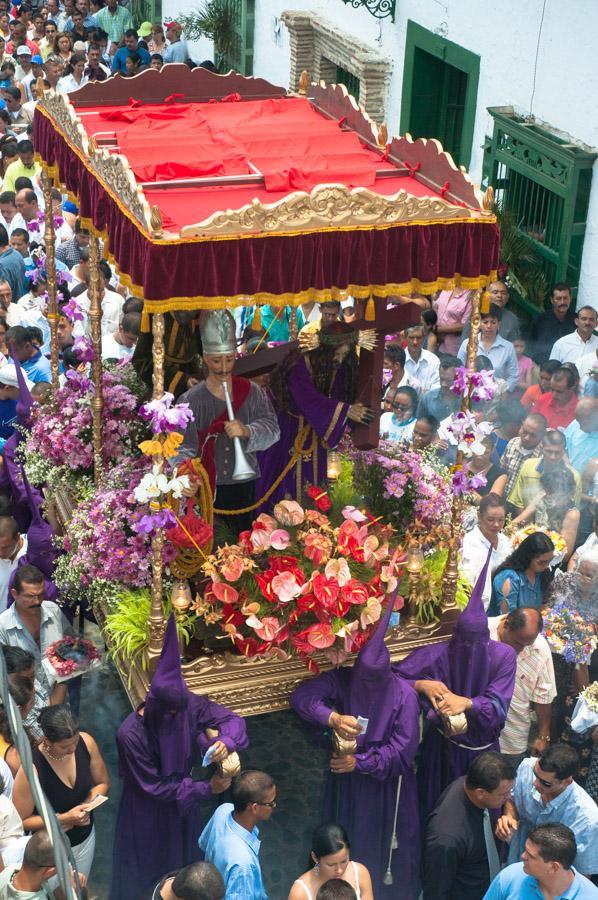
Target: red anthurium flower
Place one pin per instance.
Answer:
(325, 589)
(320, 498)
(285, 564)
(354, 592)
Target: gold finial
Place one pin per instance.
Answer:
(383, 135)
(92, 145)
(303, 82)
(156, 221)
(488, 201)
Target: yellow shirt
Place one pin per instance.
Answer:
(527, 483)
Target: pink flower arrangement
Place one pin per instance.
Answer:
(296, 585)
(102, 542)
(62, 432)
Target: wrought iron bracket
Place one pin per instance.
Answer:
(380, 9)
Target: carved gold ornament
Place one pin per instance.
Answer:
(328, 206)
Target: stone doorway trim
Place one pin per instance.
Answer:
(319, 46)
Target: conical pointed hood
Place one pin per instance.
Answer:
(25, 401)
(473, 621)
(41, 551)
(373, 661)
(166, 715)
(168, 685)
(371, 691)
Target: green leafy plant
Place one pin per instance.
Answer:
(216, 20)
(426, 590)
(524, 263)
(126, 627)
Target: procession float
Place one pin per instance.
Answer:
(212, 192)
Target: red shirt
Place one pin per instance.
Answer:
(556, 416)
(531, 397)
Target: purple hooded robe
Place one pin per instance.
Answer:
(470, 665)
(327, 417)
(159, 815)
(10, 473)
(367, 796)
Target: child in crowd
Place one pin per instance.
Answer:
(524, 364)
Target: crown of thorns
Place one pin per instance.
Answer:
(365, 338)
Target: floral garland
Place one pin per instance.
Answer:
(590, 695)
(72, 656)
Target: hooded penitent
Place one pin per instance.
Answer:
(166, 716)
(371, 688)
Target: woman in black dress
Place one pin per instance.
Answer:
(71, 773)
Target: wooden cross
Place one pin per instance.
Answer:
(371, 364)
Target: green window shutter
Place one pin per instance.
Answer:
(545, 181)
(440, 86)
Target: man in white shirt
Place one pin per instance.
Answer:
(33, 624)
(535, 685)
(585, 365)
(419, 363)
(121, 344)
(112, 305)
(12, 547)
(573, 347)
(488, 533)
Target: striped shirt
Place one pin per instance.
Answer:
(534, 683)
(115, 23)
(512, 460)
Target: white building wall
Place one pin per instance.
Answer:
(504, 33)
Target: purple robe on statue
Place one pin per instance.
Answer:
(364, 801)
(327, 418)
(159, 815)
(470, 665)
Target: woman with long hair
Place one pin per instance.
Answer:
(314, 391)
(330, 857)
(523, 578)
(72, 774)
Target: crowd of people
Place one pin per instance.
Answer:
(496, 797)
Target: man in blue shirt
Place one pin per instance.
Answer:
(545, 793)
(500, 352)
(36, 367)
(177, 51)
(546, 871)
(442, 402)
(582, 434)
(132, 45)
(12, 267)
(230, 840)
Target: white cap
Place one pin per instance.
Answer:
(346, 303)
(23, 50)
(8, 377)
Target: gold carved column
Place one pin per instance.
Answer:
(95, 321)
(156, 624)
(52, 313)
(450, 576)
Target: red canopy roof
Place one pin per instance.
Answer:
(230, 191)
